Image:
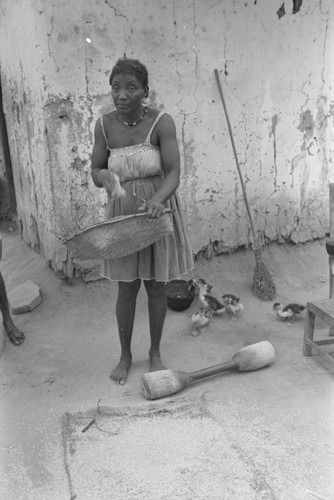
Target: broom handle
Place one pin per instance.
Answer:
(212, 370)
(236, 158)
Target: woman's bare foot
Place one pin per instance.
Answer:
(120, 373)
(15, 335)
(155, 363)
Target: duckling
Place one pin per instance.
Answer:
(211, 302)
(290, 311)
(200, 320)
(232, 304)
(208, 301)
(201, 287)
(191, 286)
(229, 298)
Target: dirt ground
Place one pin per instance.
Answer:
(282, 418)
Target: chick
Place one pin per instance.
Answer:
(201, 286)
(229, 298)
(200, 320)
(208, 301)
(191, 286)
(232, 304)
(211, 302)
(289, 311)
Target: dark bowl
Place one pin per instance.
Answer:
(330, 247)
(179, 294)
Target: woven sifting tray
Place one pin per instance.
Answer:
(119, 236)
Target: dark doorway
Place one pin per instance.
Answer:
(7, 191)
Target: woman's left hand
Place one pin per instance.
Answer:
(154, 209)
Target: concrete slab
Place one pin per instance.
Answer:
(24, 297)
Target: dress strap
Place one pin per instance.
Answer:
(148, 137)
(104, 132)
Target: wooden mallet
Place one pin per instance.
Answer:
(165, 382)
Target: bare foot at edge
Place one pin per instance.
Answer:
(155, 363)
(14, 335)
(120, 373)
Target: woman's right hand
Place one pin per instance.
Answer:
(111, 183)
(103, 178)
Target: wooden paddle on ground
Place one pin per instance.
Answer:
(165, 382)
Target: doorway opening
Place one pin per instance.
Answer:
(7, 191)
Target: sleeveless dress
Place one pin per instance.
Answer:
(139, 169)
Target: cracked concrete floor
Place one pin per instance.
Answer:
(278, 421)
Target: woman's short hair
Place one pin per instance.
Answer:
(132, 67)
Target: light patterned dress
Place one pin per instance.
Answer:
(139, 169)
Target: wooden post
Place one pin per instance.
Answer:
(308, 331)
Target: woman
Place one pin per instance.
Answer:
(136, 159)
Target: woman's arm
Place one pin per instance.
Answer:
(170, 158)
(99, 159)
(102, 178)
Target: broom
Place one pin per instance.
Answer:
(263, 285)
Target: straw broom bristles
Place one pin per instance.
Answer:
(263, 285)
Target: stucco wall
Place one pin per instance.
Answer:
(277, 76)
(4, 202)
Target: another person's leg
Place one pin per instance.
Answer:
(125, 314)
(157, 309)
(14, 334)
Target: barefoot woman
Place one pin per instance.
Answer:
(137, 146)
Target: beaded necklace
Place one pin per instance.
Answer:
(136, 122)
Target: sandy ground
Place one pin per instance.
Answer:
(282, 419)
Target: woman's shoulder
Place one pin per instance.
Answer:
(161, 117)
(165, 124)
(107, 117)
(155, 112)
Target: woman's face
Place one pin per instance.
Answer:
(127, 93)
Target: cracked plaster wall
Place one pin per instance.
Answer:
(277, 76)
(4, 202)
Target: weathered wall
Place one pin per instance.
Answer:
(4, 202)
(277, 76)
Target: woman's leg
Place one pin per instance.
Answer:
(157, 309)
(125, 314)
